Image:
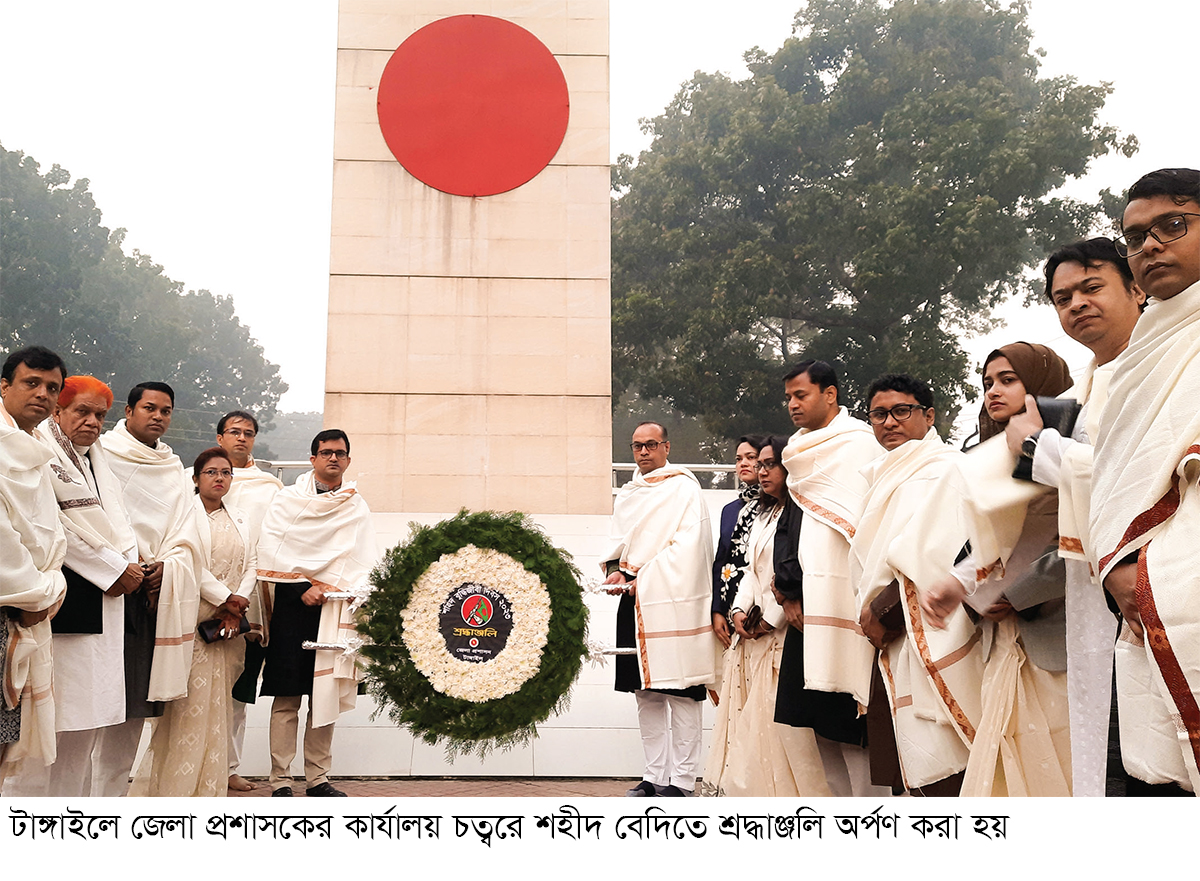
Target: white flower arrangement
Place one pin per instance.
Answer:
(521, 657)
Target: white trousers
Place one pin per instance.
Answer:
(671, 738)
(237, 734)
(96, 761)
(848, 770)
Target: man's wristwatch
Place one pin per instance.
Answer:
(1024, 469)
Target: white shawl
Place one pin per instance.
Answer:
(661, 534)
(911, 531)
(328, 540)
(1144, 498)
(252, 490)
(32, 547)
(824, 478)
(89, 672)
(158, 499)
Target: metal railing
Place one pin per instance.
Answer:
(706, 473)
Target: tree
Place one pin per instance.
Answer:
(67, 283)
(865, 196)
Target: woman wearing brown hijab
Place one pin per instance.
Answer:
(1022, 744)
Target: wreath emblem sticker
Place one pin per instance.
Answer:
(475, 620)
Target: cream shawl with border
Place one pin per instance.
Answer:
(328, 540)
(661, 535)
(825, 480)
(911, 530)
(32, 548)
(1145, 498)
(158, 499)
(253, 490)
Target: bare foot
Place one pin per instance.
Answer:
(238, 783)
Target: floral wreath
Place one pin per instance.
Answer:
(474, 706)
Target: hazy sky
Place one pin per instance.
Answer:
(228, 185)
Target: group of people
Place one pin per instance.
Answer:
(888, 614)
(133, 590)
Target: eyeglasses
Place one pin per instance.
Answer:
(213, 472)
(648, 445)
(901, 413)
(1168, 229)
(333, 454)
(237, 432)
(762, 466)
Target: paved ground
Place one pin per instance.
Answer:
(503, 787)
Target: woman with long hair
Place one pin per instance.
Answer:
(752, 755)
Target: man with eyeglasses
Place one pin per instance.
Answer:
(923, 708)
(252, 490)
(1092, 288)
(1145, 507)
(660, 564)
(317, 537)
(160, 615)
(825, 668)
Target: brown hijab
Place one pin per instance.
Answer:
(1041, 370)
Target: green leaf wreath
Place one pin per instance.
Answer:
(464, 726)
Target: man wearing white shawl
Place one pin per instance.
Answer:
(317, 537)
(32, 547)
(907, 538)
(660, 562)
(101, 567)
(252, 490)
(825, 671)
(1091, 287)
(1145, 510)
(160, 616)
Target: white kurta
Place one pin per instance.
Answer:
(89, 668)
(1066, 463)
(661, 534)
(158, 498)
(326, 539)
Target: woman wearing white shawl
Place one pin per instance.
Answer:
(1022, 743)
(748, 756)
(188, 751)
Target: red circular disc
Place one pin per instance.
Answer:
(473, 105)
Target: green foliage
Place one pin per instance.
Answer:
(865, 196)
(465, 726)
(66, 283)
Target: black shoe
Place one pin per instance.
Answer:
(673, 791)
(642, 790)
(325, 790)
(284, 791)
